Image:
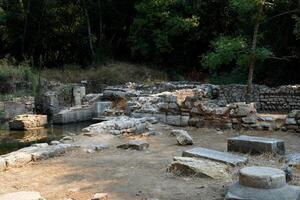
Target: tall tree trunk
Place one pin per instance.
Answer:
(253, 55)
(88, 27)
(100, 23)
(26, 12)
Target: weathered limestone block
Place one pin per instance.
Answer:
(262, 177)
(174, 120)
(100, 196)
(250, 119)
(101, 107)
(2, 164)
(183, 138)
(22, 196)
(135, 145)
(222, 157)
(184, 166)
(256, 145)
(290, 121)
(242, 109)
(293, 160)
(78, 94)
(28, 122)
(34, 153)
(17, 159)
(262, 183)
(120, 125)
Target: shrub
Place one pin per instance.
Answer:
(18, 79)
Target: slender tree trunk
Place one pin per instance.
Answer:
(26, 12)
(88, 27)
(253, 55)
(100, 23)
(252, 59)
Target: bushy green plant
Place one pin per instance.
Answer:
(17, 79)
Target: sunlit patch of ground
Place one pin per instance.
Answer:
(134, 175)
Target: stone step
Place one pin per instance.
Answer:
(219, 156)
(255, 145)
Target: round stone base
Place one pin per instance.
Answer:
(240, 192)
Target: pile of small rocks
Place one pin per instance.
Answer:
(292, 122)
(120, 125)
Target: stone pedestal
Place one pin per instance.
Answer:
(78, 94)
(262, 183)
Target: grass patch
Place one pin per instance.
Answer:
(110, 74)
(17, 80)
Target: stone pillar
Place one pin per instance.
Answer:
(78, 94)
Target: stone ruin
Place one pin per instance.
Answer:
(262, 183)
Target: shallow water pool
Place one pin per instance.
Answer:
(14, 140)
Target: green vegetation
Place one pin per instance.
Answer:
(229, 40)
(17, 80)
(113, 73)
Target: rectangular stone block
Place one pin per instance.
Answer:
(101, 107)
(218, 156)
(256, 145)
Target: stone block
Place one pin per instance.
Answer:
(290, 121)
(184, 166)
(183, 138)
(135, 145)
(255, 145)
(262, 177)
(100, 196)
(218, 156)
(101, 107)
(2, 164)
(22, 196)
(28, 122)
(293, 160)
(174, 120)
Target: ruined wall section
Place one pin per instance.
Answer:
(280, 99)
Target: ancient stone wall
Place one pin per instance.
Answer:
(16, 106)
(280, 99)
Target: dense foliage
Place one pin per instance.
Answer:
(186, 37)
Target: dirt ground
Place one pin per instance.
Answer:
(134, 175)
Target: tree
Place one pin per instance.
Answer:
(244, 48)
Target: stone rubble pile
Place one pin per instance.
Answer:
(182, 137)
(31, 154)
(185, 166)
(292, 122)
(292, 160)
(135, 145)
(120, 125)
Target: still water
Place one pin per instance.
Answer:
(14, 140)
